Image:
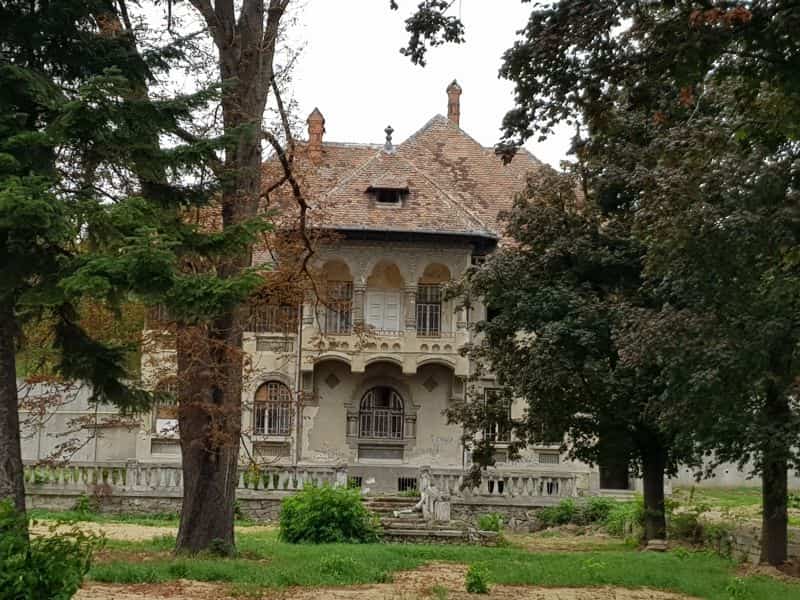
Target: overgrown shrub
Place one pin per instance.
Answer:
(596, 510)
(490, 522)
(686, 526)
(719, 537)
(326, 514)
(625, 519)
(36, 567)
(562, 513)
(477, 580)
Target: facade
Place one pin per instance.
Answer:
(376, 362)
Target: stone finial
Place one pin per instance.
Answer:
(454, 102)
(316, 127)
(388, 145)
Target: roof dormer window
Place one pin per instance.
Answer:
(388, 191)
(388, 196)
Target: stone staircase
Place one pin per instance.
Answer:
(414, 529)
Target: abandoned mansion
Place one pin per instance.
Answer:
(379, 362)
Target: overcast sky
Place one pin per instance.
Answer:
(351, 69)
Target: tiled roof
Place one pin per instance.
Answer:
(455, 185)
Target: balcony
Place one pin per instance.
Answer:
(406, 348)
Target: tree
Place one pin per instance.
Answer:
(54, 61)
(690, 113)
(569, 308)
(209, 356)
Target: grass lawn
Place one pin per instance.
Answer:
(743, 502)
(265, 562)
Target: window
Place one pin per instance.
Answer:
(548, 458)
(498, 411)
(165, 409)
(272, 414)
(429, 310)
(274, 318)
(338, 313)
(381, 414)
(388, 196)
(478, 260)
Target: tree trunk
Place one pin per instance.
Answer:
(209, 420)
(774, 484)
(655, 523)
(12, 483)
(210, 413)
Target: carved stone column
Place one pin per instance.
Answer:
(359, 291)
(411, 308)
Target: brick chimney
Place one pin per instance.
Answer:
(316, 127)
(454, 102)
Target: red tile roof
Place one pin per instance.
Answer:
(455, 185)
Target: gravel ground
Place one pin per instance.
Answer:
(408, 585)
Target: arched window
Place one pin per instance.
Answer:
(272, 414)
(381, 414)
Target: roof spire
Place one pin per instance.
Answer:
(388, 147)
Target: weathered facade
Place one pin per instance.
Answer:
(363, 376)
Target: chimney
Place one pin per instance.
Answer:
(316, 127)
(454, 102)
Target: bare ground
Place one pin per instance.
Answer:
(130, 532)
(408, 585)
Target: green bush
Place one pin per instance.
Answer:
(36, 567)
(625, 518)
(490, 522)
(562, 513)
(476, 580)
(686, 526)
(719, 537)
(596, 510)
(324, 515)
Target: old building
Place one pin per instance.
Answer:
(363, 376)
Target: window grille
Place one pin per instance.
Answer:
(274, 318)
(272, 414)
(406, 484)
(548, 458)
(381, 414)
(429, 310)
(338, 312)
(498, 427)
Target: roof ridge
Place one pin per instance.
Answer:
(350, 175)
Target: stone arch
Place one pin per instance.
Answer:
(385, 274)
(435, 272)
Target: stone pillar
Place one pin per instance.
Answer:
(411, 308)
(359, 291)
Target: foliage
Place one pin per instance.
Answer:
(688, 118)
(597, 509)
(562, 513)
(491, 522)
(325, 514)
(51, 566)
(626, 519)
(476, 580)
(84, 505)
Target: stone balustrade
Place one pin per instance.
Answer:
(506, 485)
(147, 478)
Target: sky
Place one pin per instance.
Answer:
(352, 70)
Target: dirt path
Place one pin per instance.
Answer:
(130, 532)
(419, 584)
